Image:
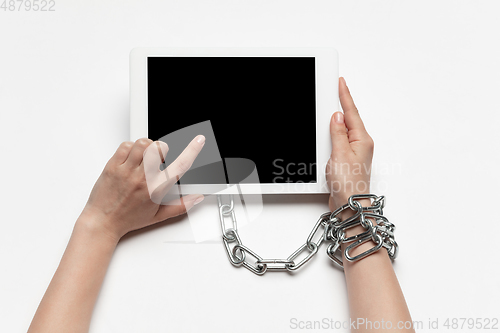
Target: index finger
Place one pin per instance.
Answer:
(185, 160)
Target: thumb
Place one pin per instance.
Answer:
(178, 206)
(338, 133)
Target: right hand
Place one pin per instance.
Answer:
(120, 202)
(349, 167)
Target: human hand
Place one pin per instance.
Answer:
(349, 167)
(121, 200)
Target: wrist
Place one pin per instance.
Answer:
(339, 199)
(356, 230)
(94, 225)
(349, 212)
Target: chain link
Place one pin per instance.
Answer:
(329, 227)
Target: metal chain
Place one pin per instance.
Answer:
(329, 227)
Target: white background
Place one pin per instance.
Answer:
(424, 75)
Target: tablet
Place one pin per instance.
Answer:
(265, 113)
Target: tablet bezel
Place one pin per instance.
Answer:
(327, 102)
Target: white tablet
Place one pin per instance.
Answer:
(265, 113)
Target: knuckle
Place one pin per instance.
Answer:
(144, 142)
(124, 149)
(139, 181)
(369, 142)
(109, 170)
(125, 146)
(340, 131)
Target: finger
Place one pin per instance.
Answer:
(185, 160)
(178, 207)
(352, 118)
(134, 159)
(121, 153)
(338, 133)
(154, 156)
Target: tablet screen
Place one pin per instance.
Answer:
(260, 108)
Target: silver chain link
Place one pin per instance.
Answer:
(329, 227)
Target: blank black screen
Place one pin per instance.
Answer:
(260, 108)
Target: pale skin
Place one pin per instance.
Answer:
(121, 202)
(373, 289)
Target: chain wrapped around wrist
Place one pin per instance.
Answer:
(329, 227)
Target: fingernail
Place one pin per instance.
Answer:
(197, 201)
(200, 139)
(339, 117)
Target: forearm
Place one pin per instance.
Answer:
(373, 290)
(70, 298)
